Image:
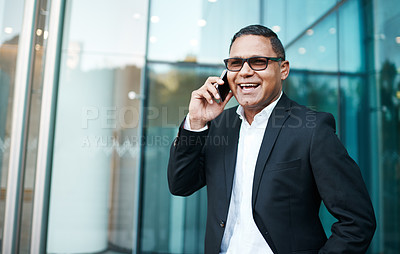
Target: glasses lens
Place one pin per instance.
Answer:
(234, 64)
(258, 63)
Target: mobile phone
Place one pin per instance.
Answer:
(224, 89)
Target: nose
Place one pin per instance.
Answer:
(246, 70)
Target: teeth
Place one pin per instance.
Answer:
(248, 85)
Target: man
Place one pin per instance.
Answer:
(266, 182)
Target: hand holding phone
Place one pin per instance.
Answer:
(224, 89)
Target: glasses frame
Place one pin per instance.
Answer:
(276, 59)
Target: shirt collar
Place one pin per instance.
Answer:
(263, 114)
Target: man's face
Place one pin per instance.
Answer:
(255, 90)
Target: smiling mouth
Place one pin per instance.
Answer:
(248, 86)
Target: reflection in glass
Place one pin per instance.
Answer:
(317, 51)
(389, 82)
(315, 90)
(384, 74)
(170, 224)
(94, 182)
(288, 22)
(351, 46)
(11, 15)
(210, 24)
(33, 126)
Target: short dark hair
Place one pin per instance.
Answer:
(262, 31)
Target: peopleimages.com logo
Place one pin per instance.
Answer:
(129, 145)
(129, 116)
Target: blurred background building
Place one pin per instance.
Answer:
(92, 93)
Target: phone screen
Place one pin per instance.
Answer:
(224, 89)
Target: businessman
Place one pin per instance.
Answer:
(265, 184)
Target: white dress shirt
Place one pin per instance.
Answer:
(241, 234)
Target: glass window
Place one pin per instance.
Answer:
(384, 75)
(352, 114)
(317, 48)
(288, 22)
(197, 31)
(351, 46)
(170, 224)
(317, 91)
(40, 45)
(11, 15)
(94, 182)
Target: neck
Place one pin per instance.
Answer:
(250, 114)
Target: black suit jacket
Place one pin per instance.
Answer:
(301, 162)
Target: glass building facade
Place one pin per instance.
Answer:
(92, 93)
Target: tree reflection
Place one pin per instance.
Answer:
(169, 93)
(390, 150)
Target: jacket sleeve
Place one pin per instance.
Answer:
(186, 162)
(342, 190)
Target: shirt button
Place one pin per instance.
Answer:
(222, 223)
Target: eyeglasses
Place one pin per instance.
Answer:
(257, 63)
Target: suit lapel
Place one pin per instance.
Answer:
(278, 117)
(231, 152)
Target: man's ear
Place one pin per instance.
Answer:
(284, 69)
